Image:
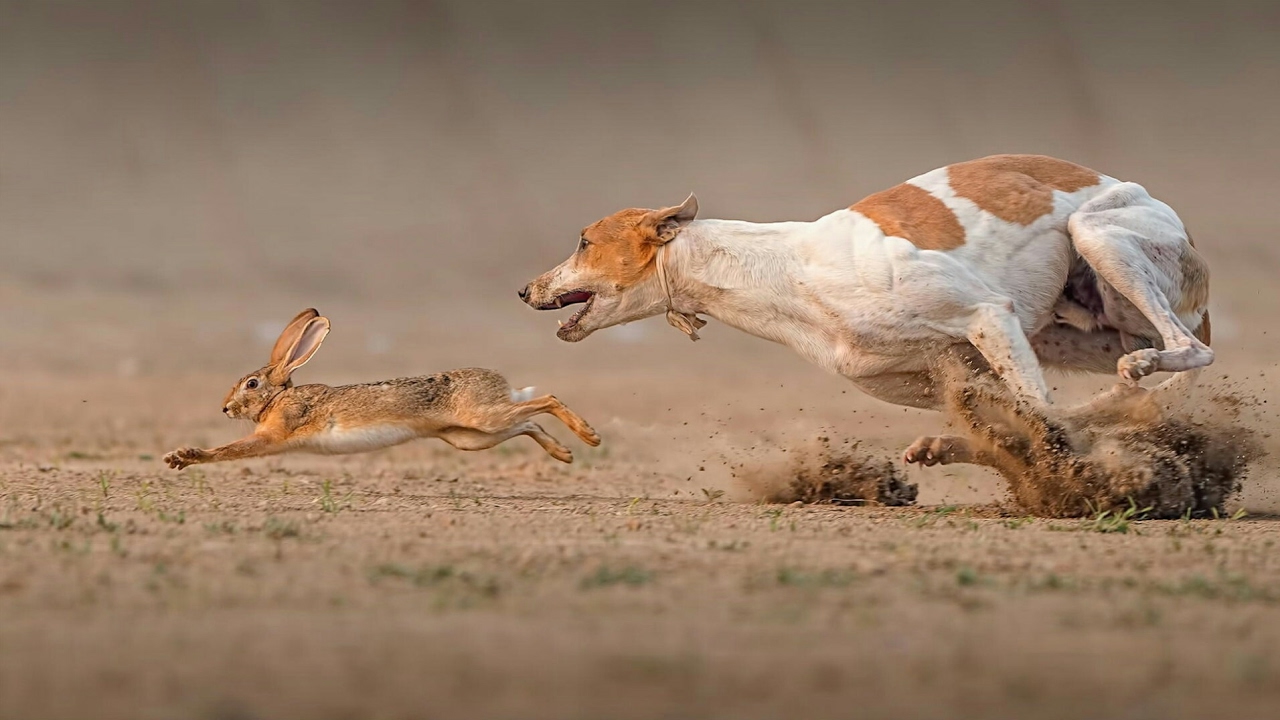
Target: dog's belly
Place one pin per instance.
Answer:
(339, 440)
(912, 389)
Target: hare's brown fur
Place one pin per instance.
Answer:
(471, 409)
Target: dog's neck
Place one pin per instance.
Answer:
(744, 275)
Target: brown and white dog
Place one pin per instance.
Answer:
(1031, 259)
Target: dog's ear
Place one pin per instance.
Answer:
(668, 222)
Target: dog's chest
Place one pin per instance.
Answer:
(338, 439)
(858, 332)
(855, 320)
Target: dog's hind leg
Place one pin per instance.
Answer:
(1145, 262)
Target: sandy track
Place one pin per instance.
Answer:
(424, 582)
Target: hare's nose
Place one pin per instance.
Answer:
(524, 293)
(226, 409)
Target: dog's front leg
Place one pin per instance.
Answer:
(922, 390)
(995, 330)
(930, 450)
(948, 299)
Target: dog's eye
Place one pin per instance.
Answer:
(251, 383)
(582, 244)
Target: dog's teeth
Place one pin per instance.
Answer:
(560, 323)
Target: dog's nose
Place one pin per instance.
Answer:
(523, 293)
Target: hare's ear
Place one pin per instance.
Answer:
(290, 335)
(308, 342)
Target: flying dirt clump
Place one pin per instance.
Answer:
(1123, 450)
(819, 473)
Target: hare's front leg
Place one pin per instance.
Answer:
(252, 446)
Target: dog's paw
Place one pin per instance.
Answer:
(929, 450)
(1138, 364)
(182, 457)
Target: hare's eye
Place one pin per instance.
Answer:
(251, 383)
(582, 244)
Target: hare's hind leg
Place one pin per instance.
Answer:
(548, 443)
(551, 404)
(467, 438)
(487, 425)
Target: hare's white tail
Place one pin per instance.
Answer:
(524, 394)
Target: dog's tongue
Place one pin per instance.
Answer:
(574, 297)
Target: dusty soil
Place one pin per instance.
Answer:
(1145, 448)
(820, 473)
(642, 581)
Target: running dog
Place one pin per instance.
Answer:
(1031, 260)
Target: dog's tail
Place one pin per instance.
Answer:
(1203, 333)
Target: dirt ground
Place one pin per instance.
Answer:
(641, 581)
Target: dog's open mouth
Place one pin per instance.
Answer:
(574, 297)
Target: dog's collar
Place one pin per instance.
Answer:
(687, 323)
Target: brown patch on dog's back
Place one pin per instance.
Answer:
(913, 213)
(1017, 188)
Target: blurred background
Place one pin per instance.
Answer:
(177, 179)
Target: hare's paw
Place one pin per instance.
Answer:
(590, 436)
(561, 453)
(182, 457)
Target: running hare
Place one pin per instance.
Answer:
(471, 409)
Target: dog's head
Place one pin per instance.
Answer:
(614, 258)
